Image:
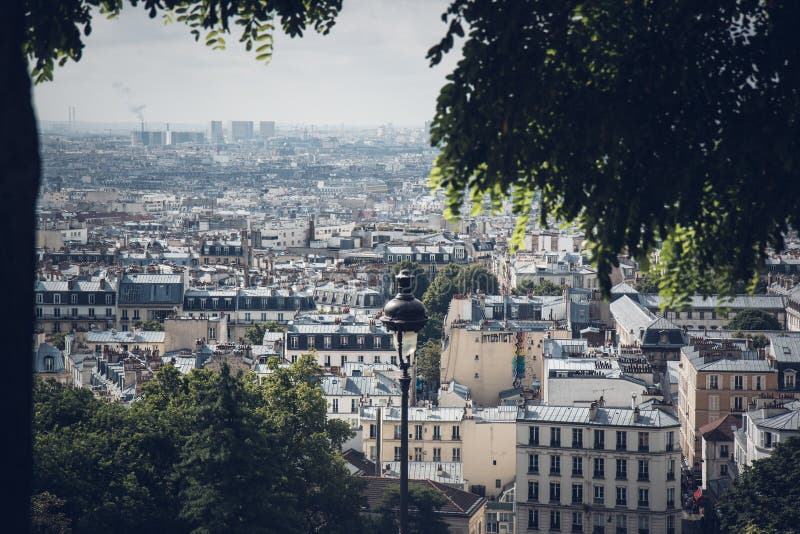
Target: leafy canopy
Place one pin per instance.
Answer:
(670, 125)
(54, 31)
(754, 320)
(765, 497)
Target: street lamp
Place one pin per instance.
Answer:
(405, 316)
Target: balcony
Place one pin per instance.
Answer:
(598, 475)
(670, 447)
(577, 444)
(555, 472)
(643, 504)
(643, 477)
(577, 473)
(621, 476)
(670, 476)
(644, 448)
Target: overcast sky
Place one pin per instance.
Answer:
(370, 69)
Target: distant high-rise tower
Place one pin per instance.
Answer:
(266, 129)
(216, 137)
(241, 130)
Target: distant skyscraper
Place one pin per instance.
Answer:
(241, 130)
(266, 129)
(216, 133)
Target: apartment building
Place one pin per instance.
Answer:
(597, 470)
(149, 297)
(337, 343)
(435, 434)
(767, 423)
(346, 395)
(716, 379)
(64, 306)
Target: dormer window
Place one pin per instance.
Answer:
(790, 379)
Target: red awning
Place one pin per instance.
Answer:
(698, 493)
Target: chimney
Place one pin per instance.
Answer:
(593, 411)
(636, 415)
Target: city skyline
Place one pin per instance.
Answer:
(371, 69)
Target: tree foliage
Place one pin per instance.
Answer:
(427, 362)
(150, 325)
(545, 287)
(423, 505)
(653, 125)
(765, 497)
(204, 452)
(54, 31)
(255, 334)
(754, 319)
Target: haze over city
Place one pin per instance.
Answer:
(371, 69)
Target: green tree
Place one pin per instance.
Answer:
(754, 319)
(648, 283)
(421, 279)
(255, 334)
(58, 340)
(474, 278)
(765, 497)
(423, 504)
(47, 516)
(150, 325)
(427, 362)
(438, 295)
(686, 113)
(545, 287)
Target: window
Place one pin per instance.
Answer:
(644, 524)
(644, 470)
(360, 358)
(622, 524)
(599, 439)
(599, 494)
(723, 451)
(360, 341)
(56, 299)
(212, 333)
(417, 432)
(456, 454)
(555, 492)
(108, 312)
(327, 360)
(456, 433)
(766, 440)
(738, 382)
(353, 406)
(533, 519)
(437, 432)
(670, 469)
(555, 520)
(713, 403)
(533, 490)
(343, 341)
(670, 524)
(74, 312)
(372, 431)
(246, 316)
(555, 464)
(398, 432)
(136, 314)
(39, 298)
(758, 383)
(577, 493)
(437, 454)
(533, 435)
(622, 469)
(622, 496)
(577, 438)
(599, 468)
(125, 315)
(38, 312)
(644, 441)
(713, 382)
(311, 341)
(327, 342)
(376, 359)
(789, 378)
(737, 404)
(577, 521)
(622, 441)
(49, 363)
(335, 409)
(293, 342)
(533, 463)
(670, 497)
(577, 466)
(723, 470)
(644, 497)
(417, 454)
(555, 437)
(377, 342)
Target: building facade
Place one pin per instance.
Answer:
(64, 306)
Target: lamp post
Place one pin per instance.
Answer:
(405, 316)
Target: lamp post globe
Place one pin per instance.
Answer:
(404, 315)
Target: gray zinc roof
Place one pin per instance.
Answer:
(605, 416)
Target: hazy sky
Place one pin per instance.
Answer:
(370, 69)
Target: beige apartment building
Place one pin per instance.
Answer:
(714, 381)
(480, 440)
